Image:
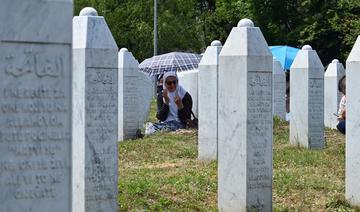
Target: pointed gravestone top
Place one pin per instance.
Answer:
(307, 58)
(335, 69)
(210, 57)
(277, 67)
(245, 40)
(127, 59)
(92, 31)
(216, 43)
(354, 55)
(88, 11)
(124, 50)
(245, 23)
(307, 47)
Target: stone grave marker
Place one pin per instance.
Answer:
(352, 169)
(95, 111)
(333, 74)
(135, 94)
(307, 100)
(146, 95)
(35, 105)
(245, 121)
(208, 102)
(189, 80)
(279, 90)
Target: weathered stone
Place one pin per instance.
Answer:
(95, 115)
(135, 94)
(208, 102)
(307, 100)
(332, 97)
(279, 90)
(35, 105)
(352, 170)
(245, 125)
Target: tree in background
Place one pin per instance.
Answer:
(330, 26)
(131, 22)
(346, 21)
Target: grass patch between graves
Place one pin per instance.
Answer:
(161, 172)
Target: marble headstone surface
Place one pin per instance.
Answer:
(307, 100)
(146, 93)
(245, 128)
(279, 90)
(95, 111)
(189, 80)
(352, 170)
(208, 102)
(332, 97)
(135, 95)
(35, 105)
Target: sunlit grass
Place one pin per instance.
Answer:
(161, 172)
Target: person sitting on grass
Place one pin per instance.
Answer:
(342, 106)
(175, 106)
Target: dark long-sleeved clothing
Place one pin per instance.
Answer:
(184, 114)
(159, 94)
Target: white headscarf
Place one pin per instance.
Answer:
(180, 91)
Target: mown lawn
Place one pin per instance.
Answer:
(161, 172)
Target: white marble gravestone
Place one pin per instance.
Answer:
(35, 105)
(95, 111)
(208, 102)
(245, 128)
(307, 100)
(352, 170)
(332, 97)
(135, 94)
(189, 80)
(146, 92)
(279, 90)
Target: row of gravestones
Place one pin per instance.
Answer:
(50, 114)
(66, 99)
(241, 88)
(208, 98)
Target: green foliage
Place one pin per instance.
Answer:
(330, 26)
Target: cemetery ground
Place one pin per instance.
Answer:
(161, 172)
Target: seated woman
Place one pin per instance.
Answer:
(342, 106)
(174, 106)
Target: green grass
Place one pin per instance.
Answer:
(161, 172)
